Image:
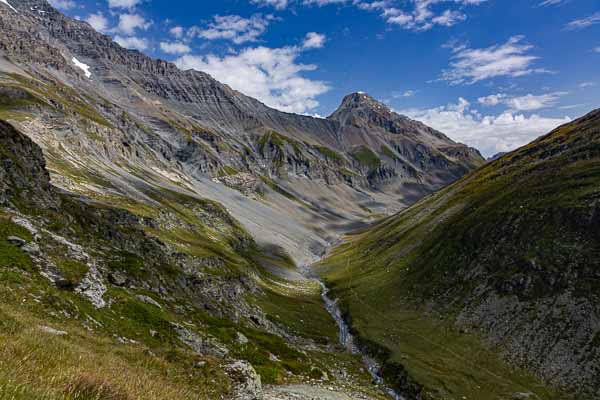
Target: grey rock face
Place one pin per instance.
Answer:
(23, 174)
(217, 114)
(247, 382)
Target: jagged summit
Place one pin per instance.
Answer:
(359, 102)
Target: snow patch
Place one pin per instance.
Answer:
(84, 67)
(8, 4)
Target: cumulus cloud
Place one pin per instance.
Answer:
(62, 4)
(490, 134)
(175, 47)
(273, 76)
(473, 65)
(98, 21)
(314, 40)
(234, 28)
(584, 22)
(528, 102)
(132, 42)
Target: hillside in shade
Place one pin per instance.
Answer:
(507, 255)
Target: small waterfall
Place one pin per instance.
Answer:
(348, 341)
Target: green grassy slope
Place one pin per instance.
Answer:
(178, 264)
(504, 261)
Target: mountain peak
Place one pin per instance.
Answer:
(361, 100)
(360, 105)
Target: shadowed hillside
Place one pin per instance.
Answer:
(507, 257)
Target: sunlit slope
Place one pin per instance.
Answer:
(504, 259)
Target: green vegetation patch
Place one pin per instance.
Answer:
(366, 157)
(279, 141)
(64, 95)
(385, 150)
(12, 256)
(72, 271)
(348, 173)
(273, 185)
(127, 262)
(227, 171)
(331, 154)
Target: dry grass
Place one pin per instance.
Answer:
(35, 365)
(89, 387)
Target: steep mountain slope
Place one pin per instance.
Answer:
(172, 303)
(506, 256)
(113, 123)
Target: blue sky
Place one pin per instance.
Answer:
(494, 74)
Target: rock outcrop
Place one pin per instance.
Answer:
(23, 176)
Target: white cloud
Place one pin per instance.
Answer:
(235, 28)
(128, 23)
(123, 3)
(62, 4)
(314, 40)
(374, 5)
(584, 22)
(473, 65)
(492, 100)
(585, 85)
(278, 4)
(176, 31)
(98, 22)
(597, 49)
(175, 47)
(490, 134)
(528, 102)
(406, 93)
(421, 17)
(553, 3)
(132, 42)
(322, 3)
(449, 18)
(273, 76)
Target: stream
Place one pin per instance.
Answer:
(348, 341)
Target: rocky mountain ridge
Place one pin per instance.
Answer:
(136, 117)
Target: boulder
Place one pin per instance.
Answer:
(52, 331)
(246, 382)
(148, 300)
(16, 241)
